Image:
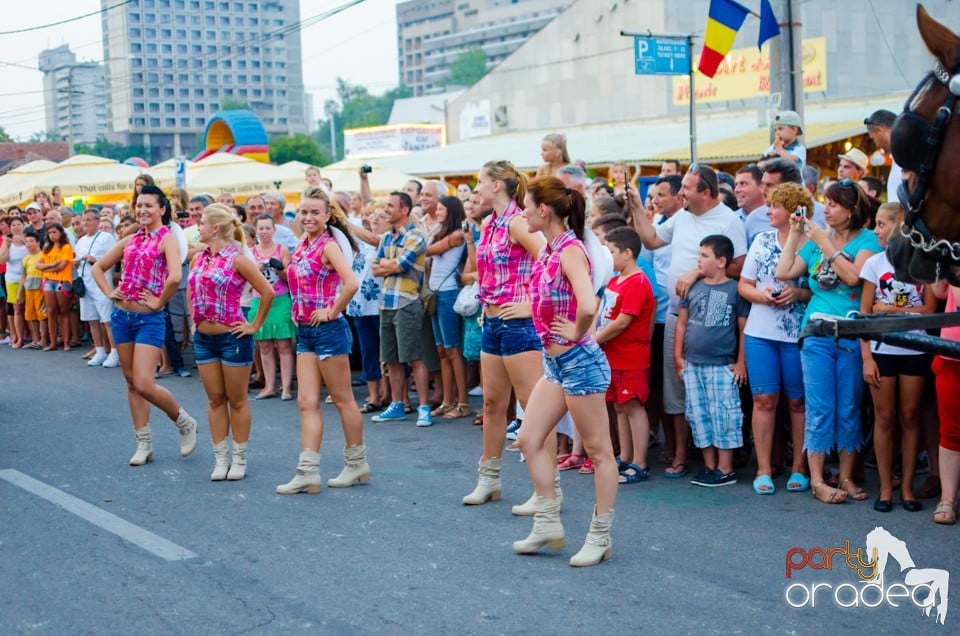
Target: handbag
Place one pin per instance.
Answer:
(429, 296)
(468, 300)
(79, 287)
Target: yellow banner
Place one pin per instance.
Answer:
(745, 73)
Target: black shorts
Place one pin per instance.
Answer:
(893, 365)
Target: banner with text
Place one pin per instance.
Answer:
(745, 73)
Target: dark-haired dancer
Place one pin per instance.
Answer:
(576, 373)
(151, 272)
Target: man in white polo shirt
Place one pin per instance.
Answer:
(703, 215)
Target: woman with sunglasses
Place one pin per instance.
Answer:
(832, 368)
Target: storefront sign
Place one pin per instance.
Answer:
(745, 74)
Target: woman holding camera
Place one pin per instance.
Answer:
(275, 335)
(772, 332)
(832, 368)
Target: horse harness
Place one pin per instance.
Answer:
(922, 160)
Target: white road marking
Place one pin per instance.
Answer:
(127, 531)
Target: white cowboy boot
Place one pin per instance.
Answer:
(488, 484)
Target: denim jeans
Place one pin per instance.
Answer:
(833, 387)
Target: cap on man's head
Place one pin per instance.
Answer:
(35, 206)
(790, 118)
(856, 157)
(881, 117)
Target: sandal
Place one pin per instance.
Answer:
(33, 345)
(837, 496)
(633, 474)
(798, 482)
(676, 471)
(478, 420)
(587, 467)
(457, 412)
(441, 409)
(945, 513)
(763, 485)
(573, 460)
(407, 409)
(562, 458)
(370, 407)
(858, 493)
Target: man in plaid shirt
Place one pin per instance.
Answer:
(400, 261)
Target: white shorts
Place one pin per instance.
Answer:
(97, 308)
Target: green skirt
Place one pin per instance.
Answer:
(279, 323)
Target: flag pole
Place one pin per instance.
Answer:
(693, 106)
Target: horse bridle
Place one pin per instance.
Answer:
(914, 229)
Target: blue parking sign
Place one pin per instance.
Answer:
(661, 56)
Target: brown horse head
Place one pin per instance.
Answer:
(933, 169)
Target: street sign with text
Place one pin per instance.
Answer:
(661, 56)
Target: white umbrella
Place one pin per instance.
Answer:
(91, 178)
(17, 187)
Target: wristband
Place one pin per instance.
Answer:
(834, 256)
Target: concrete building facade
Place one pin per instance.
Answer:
(170, 64)
(431, 34)
(74, 96)
(579, 69)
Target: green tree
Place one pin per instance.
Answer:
(110, 150)
(297, 148)
(355, 107)
(229, 102)
(45, 136)
(3, 135)
(469, 68)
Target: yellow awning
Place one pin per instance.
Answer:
(749, 146)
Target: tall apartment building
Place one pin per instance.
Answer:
(171, 63)
(431, 34)
(74, 96)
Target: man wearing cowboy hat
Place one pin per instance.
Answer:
(853, 165)
(786, 144)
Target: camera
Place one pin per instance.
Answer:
(776, 293)
(801, 211)
(365, 169)
(465, 226)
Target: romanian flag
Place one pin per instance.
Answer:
(724, 20)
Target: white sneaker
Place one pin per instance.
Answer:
(476, 391)
(98, 358)
(113, 360)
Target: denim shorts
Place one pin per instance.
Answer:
(447, 324)
(581, 370)
(58, 286)
(771, 361)
(509, 337)
(326, 339)
(139, 328)
(225, 348)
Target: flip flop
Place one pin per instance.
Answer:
(762, 481)
(679, 471)
(798, 482)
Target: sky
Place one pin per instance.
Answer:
(358, 44)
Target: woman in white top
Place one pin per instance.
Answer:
(447, 250)
(772, 332)
(12, 252)
(894, 374)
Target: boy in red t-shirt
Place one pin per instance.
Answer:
(624, 330)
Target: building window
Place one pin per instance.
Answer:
(171, 122)
(139, 122)
(168, 92)
(198, 92)
(184, 108)
(199, 121)
(138, 107)
(154, 108)
(184, 93)
(169, 108)
(138, 92)
(184, 122)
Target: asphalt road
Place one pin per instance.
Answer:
(400, 555)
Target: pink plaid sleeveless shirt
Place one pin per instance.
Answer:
(144, 265)
(551, 292)
(313, 285)
(215, 287)
(503, 267)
